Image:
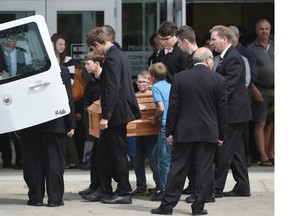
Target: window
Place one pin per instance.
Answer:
(22, 53)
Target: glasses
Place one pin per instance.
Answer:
(142, 82)
(164, 38)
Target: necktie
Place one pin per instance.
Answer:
(8, 57)
(221, 61)
(216, 62)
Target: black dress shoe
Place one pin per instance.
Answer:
(7, 165)
(94, 197)
(161, 211)
(117, 199)
(86, 191)
(158, 197)
(18, 167)
(219, 194)
(153, 191)
(191, 199)
(188, 190)
(236, 194)
(203, 212)
(51, 204)
(31, 203)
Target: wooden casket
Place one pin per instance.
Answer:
(139, 127)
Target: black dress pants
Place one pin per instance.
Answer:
(200, 155)
(112, 150)
(232, 155)
(44, 164)
(5, 149)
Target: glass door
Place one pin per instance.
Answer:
(74, 19)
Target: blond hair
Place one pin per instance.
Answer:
(144, 75)
(223, 31)
(158, 71)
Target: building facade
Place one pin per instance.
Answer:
(136, 20)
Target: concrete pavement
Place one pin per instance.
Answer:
(13, 197)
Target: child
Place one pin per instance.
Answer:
(93, 65)
(144, 144)
(162, 151)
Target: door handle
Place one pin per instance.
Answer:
(39, 85)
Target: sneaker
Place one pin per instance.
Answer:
(140, 191)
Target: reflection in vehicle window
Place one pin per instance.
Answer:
(22, 53)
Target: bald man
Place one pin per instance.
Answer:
(196, 121)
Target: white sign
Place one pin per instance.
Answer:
(79, 51)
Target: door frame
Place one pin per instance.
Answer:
(49, 8)
(52, 6)
(37, 6)
(176, 11)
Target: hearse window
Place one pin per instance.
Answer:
(22, 53)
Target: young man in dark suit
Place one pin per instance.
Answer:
(196, 121)
(231, 153)
(171, 55)
(119, 106)
(44, 154)
(186, 39)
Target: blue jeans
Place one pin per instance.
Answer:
(143, 149)
(131, 150)
(161, 157)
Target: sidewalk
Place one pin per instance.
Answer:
(13, 197)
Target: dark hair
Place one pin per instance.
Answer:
(109, 31)
(186, 32)
(95, 57)
(151, 39)
(167, 28)
(54, 38)
(96, 35)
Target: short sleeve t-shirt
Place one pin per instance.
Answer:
(161, 91)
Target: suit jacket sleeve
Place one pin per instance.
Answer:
(222, 111)
(70, 120)
(172, 114)
(111, 81)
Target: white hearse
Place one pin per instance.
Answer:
(31, 88)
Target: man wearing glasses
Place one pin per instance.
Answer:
(171, 55)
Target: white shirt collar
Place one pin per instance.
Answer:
(225, 50)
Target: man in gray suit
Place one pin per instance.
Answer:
(196, 122)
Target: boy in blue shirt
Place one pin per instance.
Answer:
(162, 150)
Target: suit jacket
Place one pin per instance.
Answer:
(175, 61)
(232, 67)
(118, 100)
(245, 51)
(65, 123)
(197, 106)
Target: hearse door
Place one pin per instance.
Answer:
(31, 88)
